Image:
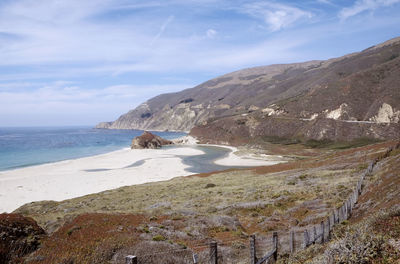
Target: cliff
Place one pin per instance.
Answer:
(360, 89)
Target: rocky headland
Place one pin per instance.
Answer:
(354, 96)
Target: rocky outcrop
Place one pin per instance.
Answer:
(149, 141)
(245, 129)
(185, 140)
(104, 125)
(360, 87)
(19, 236)
(386, 114)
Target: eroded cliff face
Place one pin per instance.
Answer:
(234, 93)
(359, 92)
(247, 129)
(180, 117)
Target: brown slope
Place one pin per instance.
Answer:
(360, 83)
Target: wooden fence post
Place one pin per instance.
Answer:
(355, 196)
(195, 258)
(275, 243)
(131, 259)
(253, 257)
(306, 239)
(213, 253)
(315, 235)
(341, 214)
(334, 217)
(329, 228)
(337, 216)
(292, 242)
(322, 232)
(350, 208)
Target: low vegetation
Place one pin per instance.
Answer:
(375, 239)
(181, 216)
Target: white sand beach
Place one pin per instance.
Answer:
(73, 178)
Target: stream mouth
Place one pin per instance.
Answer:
(204, 163)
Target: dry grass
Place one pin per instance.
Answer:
(186, 212)
(372, 235)
(373, 240)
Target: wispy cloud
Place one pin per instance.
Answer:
(276, 16)
(114, 54)
(364, 5)
(330, 3)
(62, 97)
(162, 29)
(211, 33)
(88, 40)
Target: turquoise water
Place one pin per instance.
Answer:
(21, 147)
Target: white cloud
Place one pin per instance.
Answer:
(162, 29)
(62, 102)
(364, 5)
(276, 16)
(327, 2)
(63, 91)
(211, 33)
(70, 33)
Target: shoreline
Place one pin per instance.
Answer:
(57, 161)
(246, 160)
(72, 178)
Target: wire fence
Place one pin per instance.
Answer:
(263, 249)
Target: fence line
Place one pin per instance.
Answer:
(310, 237)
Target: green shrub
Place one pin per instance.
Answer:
(159, 238)
(182, 244)
(210, 185)
(303, 177)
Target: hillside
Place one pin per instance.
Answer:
(358, 92)
(166, 222)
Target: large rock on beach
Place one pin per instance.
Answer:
(19, 236)
(149, 141)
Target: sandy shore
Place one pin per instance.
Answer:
(247, 160)
(72, 178)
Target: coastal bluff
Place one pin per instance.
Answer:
(342, 99)
(149, 141)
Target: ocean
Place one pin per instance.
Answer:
(22, 147)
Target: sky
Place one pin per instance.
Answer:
(74, 62)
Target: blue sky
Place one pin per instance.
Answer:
(74, 62)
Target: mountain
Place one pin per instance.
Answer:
(229, 94)
(357, 95)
